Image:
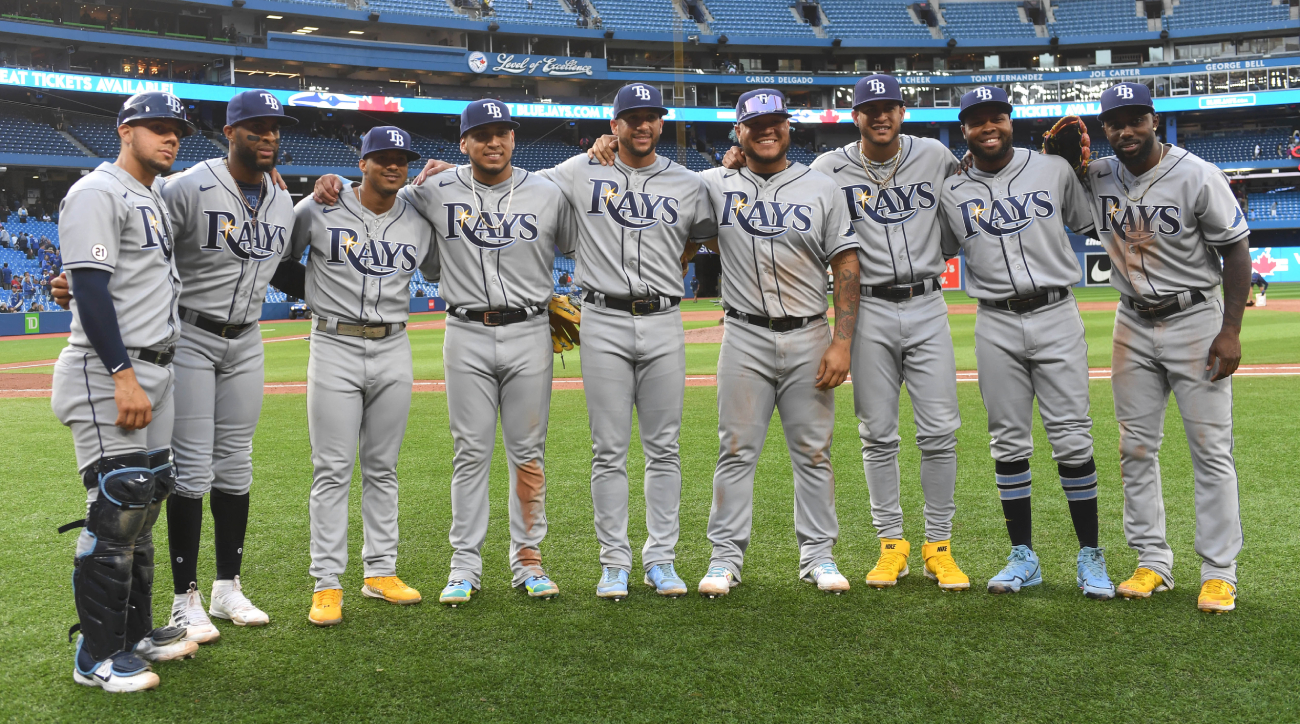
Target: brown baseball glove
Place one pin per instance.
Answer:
(1069, 140)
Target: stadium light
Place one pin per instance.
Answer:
(275, 17)
(356, 32)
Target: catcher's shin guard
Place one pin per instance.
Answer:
(139, 619)
(101, 577)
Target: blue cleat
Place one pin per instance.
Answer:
(456, 592)
(613, 583)
(1092, 578)
(541, 587)
(665, 580)
(1022, 570)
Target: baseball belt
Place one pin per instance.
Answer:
(901, 292)
(1164, 307)
(365, 331)
(1025, 305)
(778, 324)
(635, 307)
(208, 324)
(160, 357)
(489, 317)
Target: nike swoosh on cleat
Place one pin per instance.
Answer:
(446, 183)
(326, 211)
(841, 168)
(207, 188)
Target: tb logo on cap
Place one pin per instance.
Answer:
(396, 138)
(493, 109)
(983, 94)
(1124, 92)
(642, 92)
(877, 87)
(174, 104)
(270, 101)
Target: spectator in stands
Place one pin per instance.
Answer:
(46, 216)
(21, 243)
(16, 301)
(1272, 211)
(29, 288)
(6, 277)
(4, 307)
(36, 306)
(16, 284)
(6, 241)
(530, 4)
(22, 214)
(286, 158)
(1256, 150)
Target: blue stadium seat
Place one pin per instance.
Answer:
(871, 19)
(1096, 17)
(23, 135)
(985, 20)
(756, 18)
(1217, 13)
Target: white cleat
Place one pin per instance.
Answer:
(187, 612)
(166, 644)
(717, 582)
(230, 603)
(121, 673)
(828, 578)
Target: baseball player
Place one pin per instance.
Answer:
(113, 388)
(1174, 232)
(636, 216)
(364, 250)
(232, 227)
(1258, 280)
(1008, 214)
(780, 224)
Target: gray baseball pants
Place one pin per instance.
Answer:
(1151, 359)
(907, 342)
(758, 371)
(218, 400)
(357, 390)
(506, 368)
(634, 362)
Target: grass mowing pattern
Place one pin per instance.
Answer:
(776, 649)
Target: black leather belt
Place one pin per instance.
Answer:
(364, 331)
(901, 292)
(1025, 305)
(160, 357)
(779, 324)
(635, 307)
(1164, 308)
(490, 317)
(207, 324)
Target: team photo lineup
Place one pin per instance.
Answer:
(472, 348)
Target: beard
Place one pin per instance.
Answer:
(1143, 150)
(153, 164)
(247, 156)
(632, 149)
(780, 151)
(998, 155)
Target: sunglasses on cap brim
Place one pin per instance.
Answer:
(763, 104)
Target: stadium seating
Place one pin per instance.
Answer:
(306, 150)
(1215, 13)
(755, 18)
(438, 8)
(1228, 146)
(22, 135)
(871, 19)
(985, 20)
(651, 16)
(1096, 17)
(1276, 205)
(101, 137)
(542, 12)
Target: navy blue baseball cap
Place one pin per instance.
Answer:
(639, 95)
(481, 113)
(760, 102)
(155, 104)
(383, 138)
(1125, 94)
(256, 104)
(878, 87)
(985, 95)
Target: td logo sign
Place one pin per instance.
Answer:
(32, 323)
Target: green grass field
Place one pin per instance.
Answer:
(774, 650)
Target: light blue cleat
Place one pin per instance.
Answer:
(665, 580)
(613, 584)
(541, 587)
(1092, 578)
(456, 592)
(1022, 570)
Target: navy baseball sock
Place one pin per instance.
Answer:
(184, 527)
(1015, 484)
(1080, 484)
(229, 523)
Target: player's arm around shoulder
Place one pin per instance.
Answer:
(950, 190)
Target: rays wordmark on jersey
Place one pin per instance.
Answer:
(251, 240)
(497, 231)
(1139, 221)
(155, 231)
(766, 219)
(630, 209)
(1007, 215)
(373, 257)
(893, 205)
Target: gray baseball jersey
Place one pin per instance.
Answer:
(1159, 245)
(361, 264)
(898, 224)
(505, 260)
(631, 224)
(777, 237)
(1010, 225)
(225, 256)
(110, 221)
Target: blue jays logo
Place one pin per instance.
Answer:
(497, 231)
(155, 231)
(1006, 216)
(893, 205)
(373, 258)
(251, 240)
(766, 219)
(631, 210)
(1138, 222)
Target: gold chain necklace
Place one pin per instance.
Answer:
(871, 176)
(1124, 187)
(261, 191)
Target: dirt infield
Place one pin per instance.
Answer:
(29, 384)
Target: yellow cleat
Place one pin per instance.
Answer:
(391, 589)
(1217, 596)
(1143, 583)
(940, 566)
(326, 607)
(892, 564)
